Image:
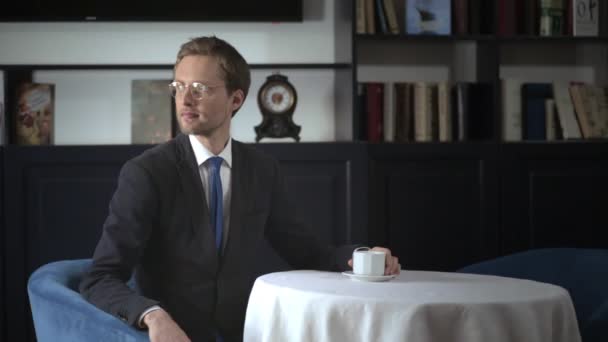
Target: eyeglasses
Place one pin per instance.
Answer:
(198, 90)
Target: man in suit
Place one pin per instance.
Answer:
(189, 216)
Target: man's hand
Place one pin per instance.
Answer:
(162, 328)
(392, 265)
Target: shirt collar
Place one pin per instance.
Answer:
(201, 153)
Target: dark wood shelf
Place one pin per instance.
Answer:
(480, 38)
(422, 37)
(11, 67)
(552, 39)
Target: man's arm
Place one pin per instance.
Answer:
(132, 216)
(293, 239)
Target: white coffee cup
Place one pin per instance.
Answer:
(368, 262)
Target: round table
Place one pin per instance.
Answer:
(416, 306)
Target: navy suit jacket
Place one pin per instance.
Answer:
(158, 227)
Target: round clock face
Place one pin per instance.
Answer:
(277, 98)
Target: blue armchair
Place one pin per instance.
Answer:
(61, 314)
(583, 272)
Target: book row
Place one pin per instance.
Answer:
(553, 110)
(473, 17)
(463, 111)
(425, 111)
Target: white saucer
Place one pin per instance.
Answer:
(360, 277)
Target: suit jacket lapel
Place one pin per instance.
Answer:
(239, 198)
(192, 186)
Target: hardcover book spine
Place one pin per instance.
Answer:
(534, 96)
(551, 17)
(375, 99)
(3, 132)
(585, 17)
(460, 16)
(511, 110)
(565, 111)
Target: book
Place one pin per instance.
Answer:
(444, 111)
(511, 109)
(391, 16)
(370, 17)
(602, 97)
(582, 109)
(487, 23)
(389, 112)
(550, 120)
(526, 12)
(2, 110)
(361, 112)
(428, 17)
(474, 16)
(403, 112)
(360, 23)
(383, 24)
(585, 17)
(400, 9)
(565, 111)
(423, 111)
(481, 107)
(434, 105)
(569, 17)
(533, 108)
(374, 102)
(594, 95)
(460, 16)
(151, 112)
(506, 18)
(551, 17)
(460, 111)
(35, 113)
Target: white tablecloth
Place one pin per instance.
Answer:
(414, 307)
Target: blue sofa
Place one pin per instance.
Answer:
(583, 272)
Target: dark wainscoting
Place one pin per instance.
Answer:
(2, 250)
(328, 183)
(435, 205)
(554, 195)
(58, 201)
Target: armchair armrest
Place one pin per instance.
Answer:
(60, 313)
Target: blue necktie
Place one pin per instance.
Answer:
(216, 205)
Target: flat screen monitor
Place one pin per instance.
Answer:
(153, 10)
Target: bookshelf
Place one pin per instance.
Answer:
(488, 55)
(511, 188)
(113, 81)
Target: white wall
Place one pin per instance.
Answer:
(311, 41)
(430, 62)
(555, 62)
(93, 107)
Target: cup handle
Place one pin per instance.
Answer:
(361, 248)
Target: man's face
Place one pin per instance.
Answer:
(210, 114)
